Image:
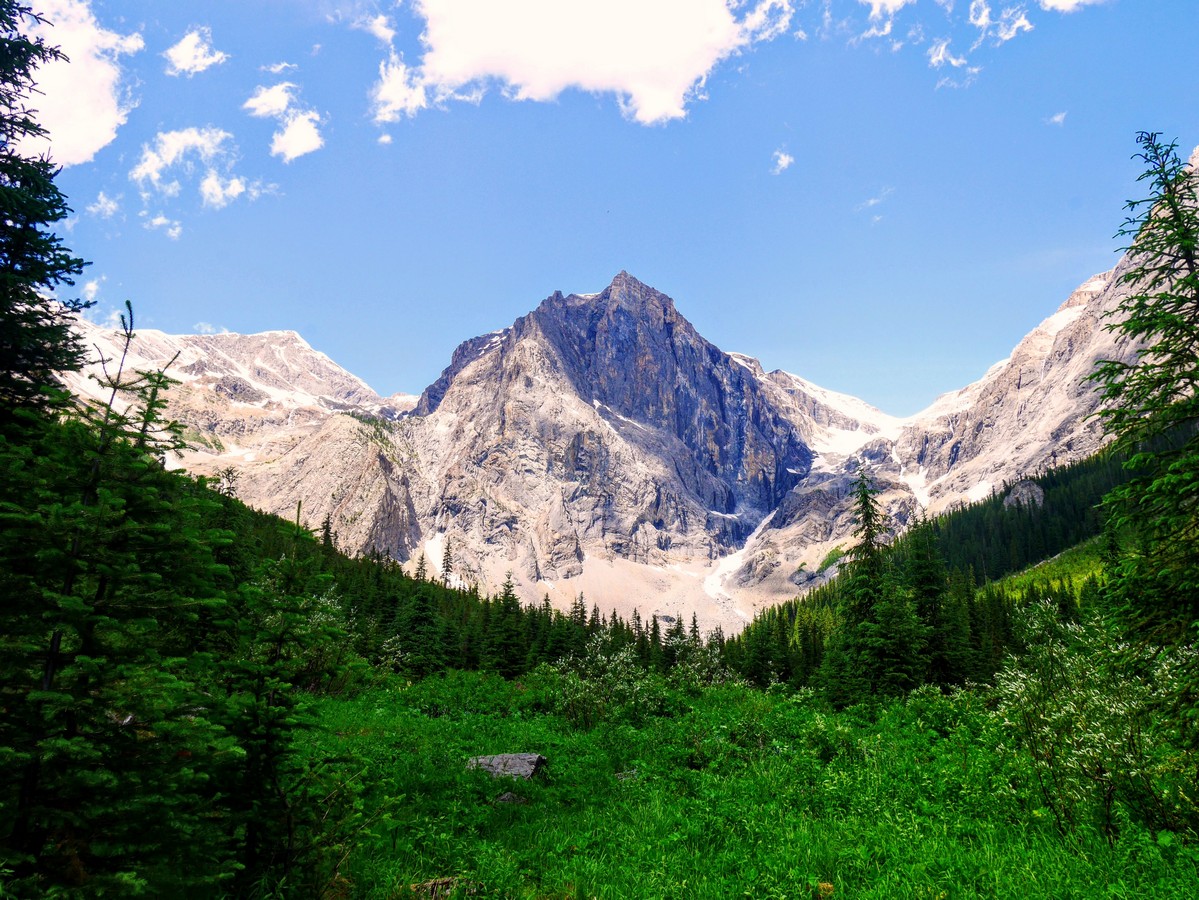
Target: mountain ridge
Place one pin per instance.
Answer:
(600, 444)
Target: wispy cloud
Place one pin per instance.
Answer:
(940, 55)
(204, 156)
(1056, 119)
(1011, 21)
(193, 54)
(91, 289)
(380, 26)
(105, 207)
(174, 151)
(172, 228)
(876, 200)
(882, 16)
(782, 162)
(1067, 6)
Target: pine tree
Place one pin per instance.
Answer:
(109, 578)
(447, 562)
(504, 648)
(1152, 401)
(845, 674)
(281, 809)
(947, 626)
(36, 340)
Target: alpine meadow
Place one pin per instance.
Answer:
(265, 633)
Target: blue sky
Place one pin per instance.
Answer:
(881, 196)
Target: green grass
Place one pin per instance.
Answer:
(1070, 567)
(729, 792)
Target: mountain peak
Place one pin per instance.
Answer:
(623, 292)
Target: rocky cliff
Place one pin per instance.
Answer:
(600, 445)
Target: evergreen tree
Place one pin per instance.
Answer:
(1152, 401)
(420, 634)
(447, 562)
(109, 582)
(947, 627)
(1152, 409)
(846, 673)
(276, 655)
(36, 341)
(893, 642)
(504, 644)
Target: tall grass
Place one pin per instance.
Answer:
(720, 792)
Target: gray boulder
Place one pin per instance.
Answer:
(511, 765)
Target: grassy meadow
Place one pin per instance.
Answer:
(724, 791)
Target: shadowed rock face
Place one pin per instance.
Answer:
(628, 353)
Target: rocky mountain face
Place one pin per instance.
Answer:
(600, 445)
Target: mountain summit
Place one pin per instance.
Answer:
(600, 445)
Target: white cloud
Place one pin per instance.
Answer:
(885, 9)
(1067, 6)
(105, 207)
(91, 289)
(172, 227)
(398, 91)
(176, 154)
(278, 68)
(298, 136)
(385, 139)
(654, 55)
(209, 328)
(882, 15)
(1010, 23)
(782, 162)
(380, 26)
(980, 14)
(83, 102)
(1056, 119)
(299, 131)
(767, 20)
(939, 55)
(193, 54)
(175, 150)
(219, 192)
(273, 101)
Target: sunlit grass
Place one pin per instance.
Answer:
(734, 793)
(1071, 567)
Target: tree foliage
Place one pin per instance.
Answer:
(1152, 401)
(36, 342)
